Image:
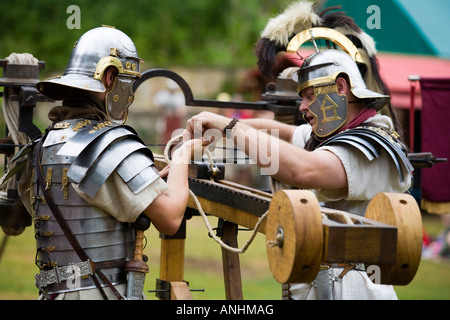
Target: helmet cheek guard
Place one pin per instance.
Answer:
(121, 96)
(329, 108)
(119, 99)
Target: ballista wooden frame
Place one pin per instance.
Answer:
(300, 235)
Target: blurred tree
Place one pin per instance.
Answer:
(169, 32)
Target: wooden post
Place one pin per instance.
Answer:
(230, 260)
(171, 267)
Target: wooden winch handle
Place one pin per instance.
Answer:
(402, 211)
(301, 236)
(297, 257)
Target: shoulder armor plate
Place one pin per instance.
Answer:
(368, 139)
(99, 148)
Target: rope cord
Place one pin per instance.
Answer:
(336, 215)
(11, 115)
(202, 213)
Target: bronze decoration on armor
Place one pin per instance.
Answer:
(100, 125)
(65, 183)
(81, 124)
(61, 125)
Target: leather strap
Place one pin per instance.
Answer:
(347, 267)
(65, 227)
(231, 125)
(107, 264)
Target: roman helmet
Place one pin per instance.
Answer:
(96, 51)
(320, 71)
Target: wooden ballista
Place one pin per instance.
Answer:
(300, 234)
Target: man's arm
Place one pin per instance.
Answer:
(295, 166)
(166, 211)
(285, 131)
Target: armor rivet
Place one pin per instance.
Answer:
(116, 98)
(128, 65)
(130, 99)
(133, 66)
(63, 138)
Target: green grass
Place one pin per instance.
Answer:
(430, 283)
(203, 265)
(203, 268)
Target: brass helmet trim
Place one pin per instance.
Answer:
(328, 34)
(106, 62)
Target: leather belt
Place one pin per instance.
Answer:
(72, 271)
(347, 267)
(63, 273)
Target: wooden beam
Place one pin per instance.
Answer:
(172, 260)
(179, 290)
(371, 243)
(171, 268)
(231, 264)
(228, 213)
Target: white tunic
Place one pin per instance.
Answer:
(365, 179)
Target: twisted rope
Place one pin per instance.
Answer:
(202, 213)
(11, 115)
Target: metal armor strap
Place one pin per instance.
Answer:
(65, 227)
(324, 285)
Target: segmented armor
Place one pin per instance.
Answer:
(85, 152)
(369, 140)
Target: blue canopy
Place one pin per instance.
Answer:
(403, 26)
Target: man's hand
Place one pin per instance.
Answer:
(198, 124)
